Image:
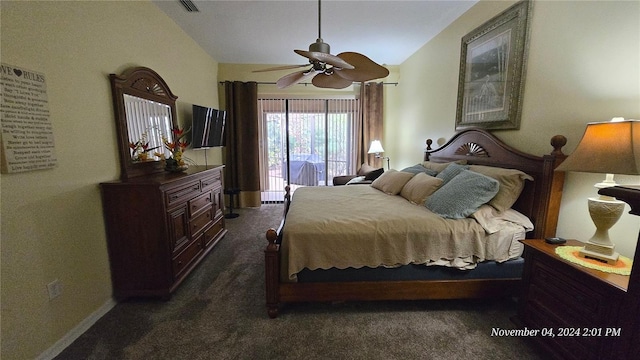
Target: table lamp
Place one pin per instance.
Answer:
(611, 147)
(376, 148)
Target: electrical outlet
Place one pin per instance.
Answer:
(55, 289)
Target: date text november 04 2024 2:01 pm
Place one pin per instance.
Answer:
(559, 332)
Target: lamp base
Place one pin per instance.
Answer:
(599, 252)
(604, 212)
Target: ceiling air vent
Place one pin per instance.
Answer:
(189, 5)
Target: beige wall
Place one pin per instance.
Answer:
(583, 66)
(52, 226)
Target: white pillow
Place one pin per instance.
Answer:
(356, 179)
(493, 220)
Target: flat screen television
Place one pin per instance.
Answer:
(207, 129)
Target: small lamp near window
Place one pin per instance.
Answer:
(376, 148)
(611, 147)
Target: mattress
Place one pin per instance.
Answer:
(361, 227)
(511, 269)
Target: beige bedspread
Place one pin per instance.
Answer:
(357, 225)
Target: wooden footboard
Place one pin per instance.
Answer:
(540, 201)
(279, 292)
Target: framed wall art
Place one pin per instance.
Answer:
(492, 71)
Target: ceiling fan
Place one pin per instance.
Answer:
(330, 71)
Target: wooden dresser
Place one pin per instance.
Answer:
(597, 313)
(577, 308)
(160, 226)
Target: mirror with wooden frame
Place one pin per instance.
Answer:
(145, 110)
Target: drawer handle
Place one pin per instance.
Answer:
(173, 197)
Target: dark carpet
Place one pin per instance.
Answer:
(219, 313)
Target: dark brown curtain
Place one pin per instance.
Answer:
(242, 142)
(371, 113)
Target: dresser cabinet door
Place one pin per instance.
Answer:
(178, 229)
(218, 202)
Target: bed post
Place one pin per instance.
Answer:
(272, 260)
(553, 186)
(427, 150)
(272, 273)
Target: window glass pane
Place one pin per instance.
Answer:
(319, 136)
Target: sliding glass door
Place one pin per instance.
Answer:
(305, 142)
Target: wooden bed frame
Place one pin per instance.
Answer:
(540, 201)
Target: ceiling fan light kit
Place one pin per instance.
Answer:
(330, 71)
(320, 46)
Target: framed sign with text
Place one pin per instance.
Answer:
(27, 134)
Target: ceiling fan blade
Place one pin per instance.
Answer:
(325, 58)
(285, 67)
(365, 68)
(331, 81)
(294, 78)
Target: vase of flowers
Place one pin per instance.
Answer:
(176, 162)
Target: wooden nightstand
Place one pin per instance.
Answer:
(577, 309)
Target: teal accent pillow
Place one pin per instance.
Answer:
(462, 195)
(416, 169)
(450, 172)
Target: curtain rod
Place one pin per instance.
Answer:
(304, 83)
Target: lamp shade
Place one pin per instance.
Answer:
(607, 147)
(376, 147)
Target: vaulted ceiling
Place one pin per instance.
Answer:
(267, 32)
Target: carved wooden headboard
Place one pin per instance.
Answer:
(540, 198)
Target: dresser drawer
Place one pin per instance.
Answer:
(200, 222)
(571, 347)
(566, 297)
(183, 193)
(211, 233)
(211, 182)
(575, 303)
(198, 204)
(182, 261)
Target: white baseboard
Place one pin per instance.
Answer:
(75, 333)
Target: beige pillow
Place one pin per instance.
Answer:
(441, 166)
(511, 184)
(392, 181)
(418, 189)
